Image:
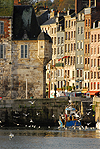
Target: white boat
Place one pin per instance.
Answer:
(98, 125)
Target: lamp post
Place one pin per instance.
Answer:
(11, 78)
(49, 80)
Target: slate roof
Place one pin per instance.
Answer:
(25, 25)
(6, 7)
(44, 36)
(50, 21)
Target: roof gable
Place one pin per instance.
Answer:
(25, 25)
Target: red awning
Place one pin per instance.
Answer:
(59, 59)
(93, 92)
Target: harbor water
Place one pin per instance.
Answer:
(49, 138)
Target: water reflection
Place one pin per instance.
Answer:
(53, 132)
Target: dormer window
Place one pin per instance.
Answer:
(1, 28)
(79, 16)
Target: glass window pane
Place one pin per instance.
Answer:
(22, 51)
(25, 51)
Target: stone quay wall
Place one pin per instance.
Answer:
(26, 112)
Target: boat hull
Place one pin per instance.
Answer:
(72, 123)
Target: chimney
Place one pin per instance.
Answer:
(76, 6)
(89, 3)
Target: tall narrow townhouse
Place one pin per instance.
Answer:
(70, 47)
(55, 28)
(87, 27)
(89, 15)
(79, 63)
(95, 58)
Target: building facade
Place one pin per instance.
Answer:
(24, 53)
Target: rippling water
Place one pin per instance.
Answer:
(50, 139)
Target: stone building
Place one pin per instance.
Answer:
(25, 51)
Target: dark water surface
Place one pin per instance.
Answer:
(50, 139)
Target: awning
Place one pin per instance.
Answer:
(93, 92)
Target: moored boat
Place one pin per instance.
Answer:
(70, 118)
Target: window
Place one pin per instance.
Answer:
(99, 75)
(65, 47)
(24, 51)
(59, 73)
(72, 23)
(86, 48)
(71, 34)
(98, 37)
(91, 50)
(71, 60)
(77, 59)
(91, 62)
(91, 75)
(71, 47)
(94, 85)
(89, 22)
(86, 22)
(94, 75)
(69, 23)
(78, 45)
(74, 46)
(68, 73)
(58, 51)
(54, 51)
(98, 62)
(85, 75)
(86, 35)
(1, 51)
(91, 85)
(94, 62)
(88, 60)
(74, 61)
(62, 40)
(78, 30)
(80, 73)
(77, 73)
(68, 47)
(95, 37)
(92, 38)
(68, 60)
(85, 60)
(54, 40)
(61, 50)
(94, 50)
(81, 59)
(54, 30)
(1, 28)
(81, 46)
(98, 49)
(81, 30)
(88, 75)
(74, 34)
(66, 24)
(58, 40)
(66, 35)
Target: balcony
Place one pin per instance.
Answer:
(59, 65)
